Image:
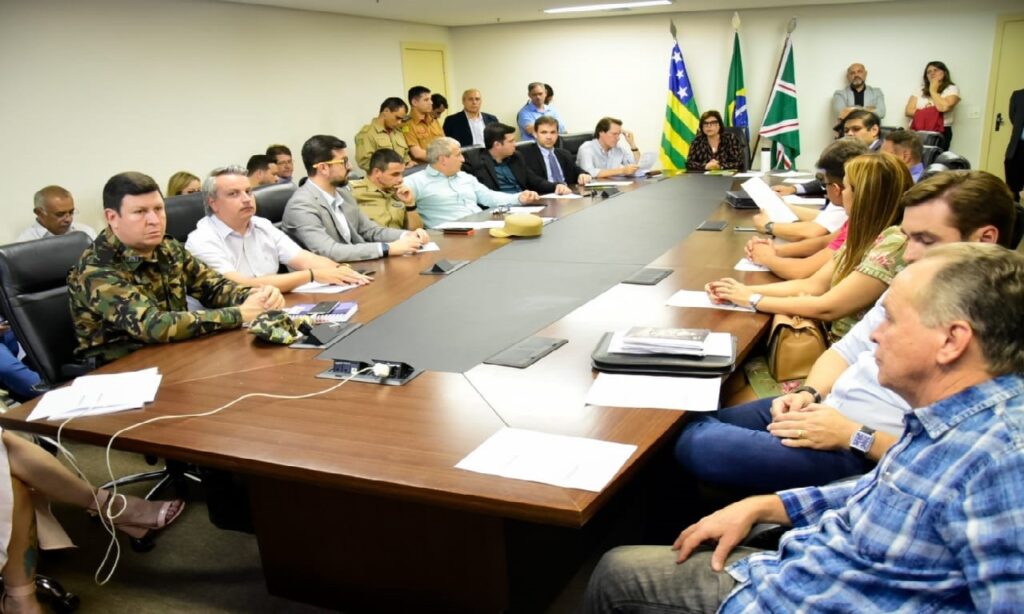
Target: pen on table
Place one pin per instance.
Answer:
(744, 229)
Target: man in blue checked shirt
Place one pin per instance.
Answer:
(937, 526)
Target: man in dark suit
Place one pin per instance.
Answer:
(467, 127)
(554, 163)
(1014, 163)
(500, 168)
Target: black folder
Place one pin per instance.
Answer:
(661, 364)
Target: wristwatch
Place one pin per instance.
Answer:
(862, 440)
(385, 248)
(812, 390)
(754, 300)
(768, 229)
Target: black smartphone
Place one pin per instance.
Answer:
(323, 307)
(367, 272)
(711, 225)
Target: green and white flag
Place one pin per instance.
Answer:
(781, 121)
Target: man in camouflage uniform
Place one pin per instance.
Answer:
(129, 288)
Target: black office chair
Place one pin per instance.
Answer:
(183, 213)
(928, 155)
(953, 161)
(271, 199)
(572, 142)
(929, 137)
(741, 136)
(933, 169)
(34, 296)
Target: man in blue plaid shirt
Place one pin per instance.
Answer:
(938, 525)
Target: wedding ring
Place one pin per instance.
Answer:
(800, 434)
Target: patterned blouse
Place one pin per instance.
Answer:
(883, 261)
(730, 152)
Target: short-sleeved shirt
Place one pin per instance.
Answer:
(440, 198)
(529, 114)
(883, 261)
(378, 205)
(38, 231)
(592, 158)
(374, 136)
(831, 218)
(122, 300)
(923, 102)
(840, 239)
(421, 130)
(259, 252)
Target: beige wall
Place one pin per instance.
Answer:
(93, 88)
(618, 66)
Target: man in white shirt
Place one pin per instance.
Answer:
(604, 156)
(248, 249)
(55, 215)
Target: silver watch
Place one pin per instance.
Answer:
(754, 300)
(862, 440)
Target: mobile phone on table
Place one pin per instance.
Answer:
(323, 307)
(711, 225)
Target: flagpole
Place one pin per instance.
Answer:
(778, 70)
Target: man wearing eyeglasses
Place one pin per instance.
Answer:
(55, 215)
(323, 216)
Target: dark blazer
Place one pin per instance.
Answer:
(480, 164)
(1016, 121)
(535, 162)
(457, 126)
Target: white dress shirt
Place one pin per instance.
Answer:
(259, 252)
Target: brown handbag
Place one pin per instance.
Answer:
(793, 345)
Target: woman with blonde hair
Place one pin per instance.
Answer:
(182, 182)
(842, 290)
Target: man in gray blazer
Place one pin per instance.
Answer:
(859, 95)
(323, 215)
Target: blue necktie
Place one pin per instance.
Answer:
(556, 172)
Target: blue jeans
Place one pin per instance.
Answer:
(15, 377)
(733, 448)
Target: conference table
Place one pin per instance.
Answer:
(355, 497)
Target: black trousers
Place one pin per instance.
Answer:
(1014, 167)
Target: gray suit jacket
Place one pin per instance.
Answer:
(873, 97)
(309, 220)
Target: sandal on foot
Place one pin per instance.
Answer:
(111, 513)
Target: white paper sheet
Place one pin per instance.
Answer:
(645, 163)
(803, 201)
(565, 196)
(746, 265)
(476, 225)
(768, 201)
(569, 462)
(533, 209)
(603, 182)
(795, 180)
(794, 174)
(429, 247)
(316, 287)
(700, 299)
(748, 174)
(659, 392)
(92, 395)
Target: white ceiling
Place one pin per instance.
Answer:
(479, 12)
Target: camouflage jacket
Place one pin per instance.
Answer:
(121, 301)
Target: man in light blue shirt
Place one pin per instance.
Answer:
(950, 207)
(444, 193)
(534, 108)
(603, 156)
(938, 526)
(907, 146)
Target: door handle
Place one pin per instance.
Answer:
(999, 121)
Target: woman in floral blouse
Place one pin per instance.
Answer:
(712, 149)
(842, 290)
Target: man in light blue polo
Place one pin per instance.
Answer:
(444, 193)
(534, 108)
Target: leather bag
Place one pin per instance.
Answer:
(793, 345)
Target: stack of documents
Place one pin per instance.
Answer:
(768, 201)
(650, 340)
(710, 344)
(93, 395)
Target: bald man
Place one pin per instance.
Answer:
(467, 126)
(857, 95)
